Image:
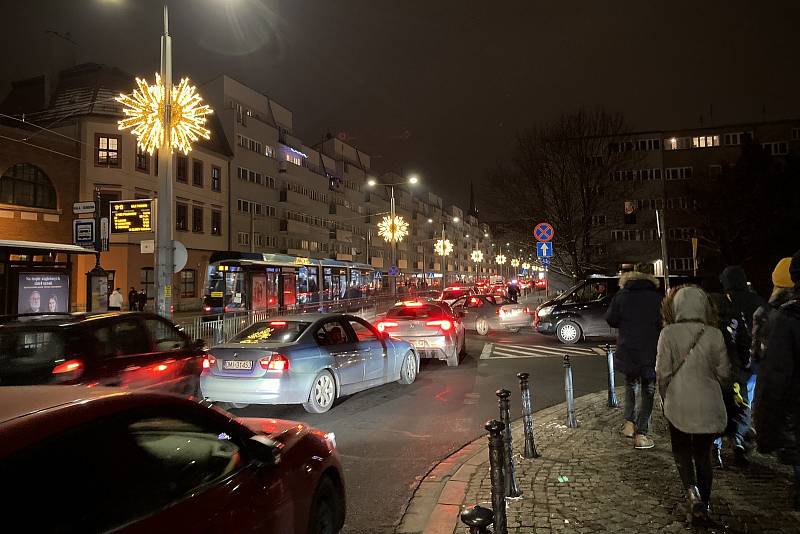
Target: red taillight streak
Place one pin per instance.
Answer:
(383, 325)
(444, 324)
(276, 362)
(69, 366)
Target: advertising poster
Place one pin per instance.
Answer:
(43, 293)
(259, 297)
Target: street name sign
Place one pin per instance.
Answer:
(83, 207)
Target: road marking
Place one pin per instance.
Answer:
(486, 353)
(501, 350)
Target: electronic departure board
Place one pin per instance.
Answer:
(131, 216)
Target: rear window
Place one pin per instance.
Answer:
(271, 332)
(449, 294)
(416, 312)
(31, 345)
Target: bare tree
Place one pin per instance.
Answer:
(561, 172)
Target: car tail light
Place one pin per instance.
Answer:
(501, 312)
(276, 362)
(207, 308)
(412, 304)
(277, 323)
(444, 324)
(209, 361)
(528, 310)
(383, 326)
(69, 366)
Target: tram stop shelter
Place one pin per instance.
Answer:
(37, 277)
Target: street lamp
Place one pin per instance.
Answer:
(164, 117)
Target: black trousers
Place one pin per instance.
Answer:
(692, 453)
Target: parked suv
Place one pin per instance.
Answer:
(130, 350)
(580, 312)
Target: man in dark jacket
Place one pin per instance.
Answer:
(777, 403)
(133, 296)
(636, 312)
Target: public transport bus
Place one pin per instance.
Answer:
(256, 281)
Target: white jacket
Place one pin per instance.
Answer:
(115, 299)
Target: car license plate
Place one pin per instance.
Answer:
(419, 343)
(237, 364)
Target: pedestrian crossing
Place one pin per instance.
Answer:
(504, 350)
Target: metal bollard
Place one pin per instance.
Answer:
(496, 459)
(527, 417)
(504, 402)
(572, 422)
(477, 519)
(613, 402)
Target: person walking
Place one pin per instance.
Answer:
(777, 398)
(141, 300)
(635, 312)
(132, 299)
(782, 292)
(692, 368)
(115, 300)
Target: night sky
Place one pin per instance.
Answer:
(440, 87)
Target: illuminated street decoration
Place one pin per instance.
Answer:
(393, 231)
(446, 244)
(500, 259)
(526, 266)
(144, 115)
(515, 262)
(477, 256)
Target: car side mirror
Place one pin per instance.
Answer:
(264, 449)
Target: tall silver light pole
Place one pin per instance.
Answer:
(164, 226)
(394, 240)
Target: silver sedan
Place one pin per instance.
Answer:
(431, 327)
(484, 313)
(308, 359)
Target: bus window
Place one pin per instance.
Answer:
(289, 290)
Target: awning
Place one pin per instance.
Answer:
(40, 246)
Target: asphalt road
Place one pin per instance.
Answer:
(391, 436)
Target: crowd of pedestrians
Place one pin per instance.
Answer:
(726, 366)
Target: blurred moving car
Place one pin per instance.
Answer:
(309, 359)
(100, 460)
(127, 349)
(431, 327)
(450, 294)
(540, 283)
(484, 313)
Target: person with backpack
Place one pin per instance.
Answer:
(782, 292)
(692, 368)
(777, 399)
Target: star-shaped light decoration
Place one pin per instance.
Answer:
(500, 259)
(443, 248)
(515, 262)
(477, 256)
(144, 115)
(526, 266)
(393, 230)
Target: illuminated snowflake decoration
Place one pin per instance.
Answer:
(526, 266)
(443, 248)
(144, 115)
(477, 256)
(499, 259)
(515, 262)
(393, 231)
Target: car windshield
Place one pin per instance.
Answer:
(31, 345)
(415, 312)
(271, 332)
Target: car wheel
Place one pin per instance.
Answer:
(326, 509)
(568, 332)
(514, 330)
(408, 371)
(482, 326)
(322, 394)
(239, 405)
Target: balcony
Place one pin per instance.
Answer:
(293, 227)
(376, 262)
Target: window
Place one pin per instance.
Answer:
(121, 338)
(197, 173)
(197, 219)
(182, 169)
(598, 220)
(623, 235)
(248, 144)
(181, 216)
(362, 332)
(648, 144)
(706, 141)
(216, 178)
(147, 281)
(679, 203)
(679, 234)
(107, 150)
(332, 333)
(736, 138)
(243, 238)
(291, 158)
(216, 222)
(27, 185)
(188, 283)
(269, 181)
(142, 160)
(678, 173)
(714, 170)
(257, 240)
(680, 264)
(648, 235)
(269, 151)
(164, 335)
(243, 205)
(106, 197)
(778, 148)
(677, 143)
(269, 211)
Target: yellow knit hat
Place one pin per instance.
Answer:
(780, 276)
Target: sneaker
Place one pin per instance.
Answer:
(628, 430)
(640, 441)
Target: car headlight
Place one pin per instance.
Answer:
(544, 312)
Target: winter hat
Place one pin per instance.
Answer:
(794, 268)
(780, 276)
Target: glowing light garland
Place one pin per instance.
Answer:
(447, 245)
(515, 262)
(390, 230)
(500, 259)
(144, 115)
(477, 256)
(526, 266)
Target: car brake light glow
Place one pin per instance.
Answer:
(527, 310)
(276, 362)
(209, 361)
(501, 311)
(474, 300)
(69, 366)
(412, 304)
(384, 325)
(444, 324)
(207, 308)
(277, 323)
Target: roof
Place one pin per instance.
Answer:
(39, 245)
(24, 400)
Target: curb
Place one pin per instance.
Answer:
(438, 498)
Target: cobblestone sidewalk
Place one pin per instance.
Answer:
(591, 479)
